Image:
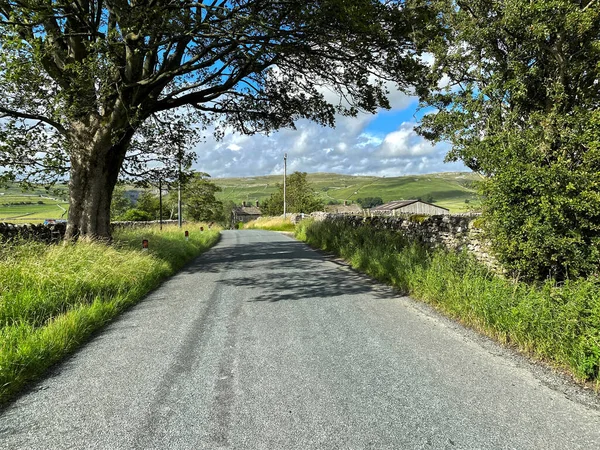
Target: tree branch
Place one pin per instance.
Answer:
(22, 115)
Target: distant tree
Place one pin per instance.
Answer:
(299, 195)
(224, 217)
(120, 203)
(199, 198)
(369, 202)
(149, 202)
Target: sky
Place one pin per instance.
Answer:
(382, 144)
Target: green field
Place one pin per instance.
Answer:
(39, 204)
(35, 210)
(449, 190)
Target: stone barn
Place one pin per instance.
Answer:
(410, 207)
(245, 213)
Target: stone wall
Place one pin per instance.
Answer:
(56, 232)
(454, 232)
(45, 233)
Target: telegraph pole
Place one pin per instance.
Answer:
(284, 182)
(179, 218)
(160, 201)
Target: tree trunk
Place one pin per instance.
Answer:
(93, 176)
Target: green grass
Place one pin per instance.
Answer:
(52, 298)
(559, 324)
(449, 190)
(270, 224)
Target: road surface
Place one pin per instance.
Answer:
(263, 343)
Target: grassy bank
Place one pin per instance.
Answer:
(556, 323)
(270, 224)
(53, 297)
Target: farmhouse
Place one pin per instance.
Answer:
(410, 207)
(244, 213)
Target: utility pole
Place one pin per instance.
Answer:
(179, 221)
(160, 201)
(284, 183)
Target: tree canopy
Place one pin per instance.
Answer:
(200, 199)
(514, 88)
(300, 197)
(80, 78)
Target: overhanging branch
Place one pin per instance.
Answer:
(23, 115)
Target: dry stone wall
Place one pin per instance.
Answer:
(454, 232)
(56, 232)
(45, 233)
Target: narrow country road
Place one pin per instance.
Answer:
(262, 343)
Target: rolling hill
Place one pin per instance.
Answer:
(449, 190)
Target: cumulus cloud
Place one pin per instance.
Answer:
(352, 148)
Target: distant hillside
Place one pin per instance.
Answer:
(449, 190)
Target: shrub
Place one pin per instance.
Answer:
(136, 215)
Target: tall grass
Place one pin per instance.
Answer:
(556, 323)
(270, 224)
(53, 297)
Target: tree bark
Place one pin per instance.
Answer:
(94, 172)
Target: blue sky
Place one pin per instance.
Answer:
(383, 144)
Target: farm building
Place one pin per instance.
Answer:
(410, 207)
(244, 213)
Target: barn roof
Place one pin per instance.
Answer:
(396, 204)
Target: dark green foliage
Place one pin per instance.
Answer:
(299, 195)
(199, 198)
(522, 108)
(369, 202)
(136, 215)
(559, 323)
(149, 203)
(120, 203)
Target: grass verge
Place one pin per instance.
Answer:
(52, 298)
(556, 323)
(270, 224)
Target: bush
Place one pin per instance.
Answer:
(545, 219)
(136, 215)
(559, 323)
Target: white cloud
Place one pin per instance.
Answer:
(352, 147)
(405, 143)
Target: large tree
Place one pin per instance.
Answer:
(515, 90)
(79, 78)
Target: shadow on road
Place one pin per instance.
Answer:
(285, 270)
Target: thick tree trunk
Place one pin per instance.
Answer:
(94, 172)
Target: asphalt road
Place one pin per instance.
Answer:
(263, 343)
